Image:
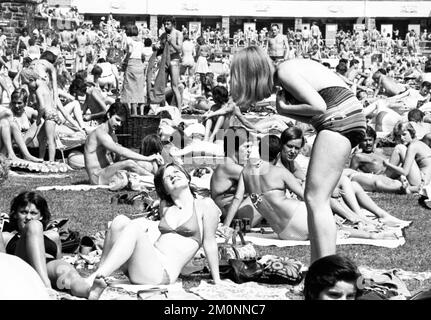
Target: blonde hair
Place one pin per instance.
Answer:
(28, 75)
(400, 127)
(251, 76)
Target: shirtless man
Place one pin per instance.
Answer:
(387, 85)
(81, 43)
(102, 140)
(367, 168)
(277, 45)
(174, 38)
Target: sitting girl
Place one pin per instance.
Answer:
(213, 124)
(39, 247)
(186, 225)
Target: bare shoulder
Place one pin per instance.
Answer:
(208, 206)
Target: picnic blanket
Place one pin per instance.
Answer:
(76, 187)
(230, 290)
(271, 239)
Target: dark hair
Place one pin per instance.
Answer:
(132, 30)
(22, 200)
(427, 67)
(327, 64)
(148, 42)
(221, 78)
(353, 62)
(101, 60)
(220, 95)
(118, 108)
(269, 147)
(200, 40)
(370, 132)
(168, 19)
(151, 144)
(26, 62)
(415, 115)
(341, 68)
(97, 71)
(77, 86)
(426, 84)
(326, 272)
(48, 56)
(54, 42)
(382, 71)
(31, 42)
(292, 133)
(160, 185)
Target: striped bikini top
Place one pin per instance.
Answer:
(189, 229)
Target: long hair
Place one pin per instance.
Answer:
(151, 144)
(22, 200)
(251, 76)
(400, 127)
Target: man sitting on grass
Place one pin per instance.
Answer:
(99, 168)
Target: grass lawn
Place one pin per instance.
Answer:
(89, 212)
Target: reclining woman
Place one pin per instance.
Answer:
(41, 248)
(349, 197)
(186, 225)
(267, 185)
(409, 156)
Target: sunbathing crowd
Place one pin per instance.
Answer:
(304, 169)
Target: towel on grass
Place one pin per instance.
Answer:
(271, 239)
(230, 290)
(76, 187)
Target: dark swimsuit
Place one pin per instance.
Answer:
(344, 114)
(50, 247)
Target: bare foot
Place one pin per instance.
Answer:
(391, 221)
(96, 290)
(383, 235)
(34, 159)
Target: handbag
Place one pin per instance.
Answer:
(245, 270)
(242, 251)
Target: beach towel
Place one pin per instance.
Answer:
(229, 290)
(156, 91)
(76, 187)
(271, 239)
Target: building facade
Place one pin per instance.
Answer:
(293, 14)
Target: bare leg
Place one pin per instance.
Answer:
(75, 108)
(134, 248)
(117, 226)
(31, 248)
(217, 126)
(322, 167)
(65, 277)
(208, 125)
(50, 136)
(6, 138)
(174, 71)
(17, 136)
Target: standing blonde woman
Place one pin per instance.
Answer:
(312, 94)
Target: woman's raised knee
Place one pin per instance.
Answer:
(33, 227)
(119, 223)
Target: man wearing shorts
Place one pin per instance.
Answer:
(277, 45)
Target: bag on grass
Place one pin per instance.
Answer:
(281, 270)
(70, 241)
(245, 270)
(242, 251)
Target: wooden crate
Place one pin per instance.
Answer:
(130, 135)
